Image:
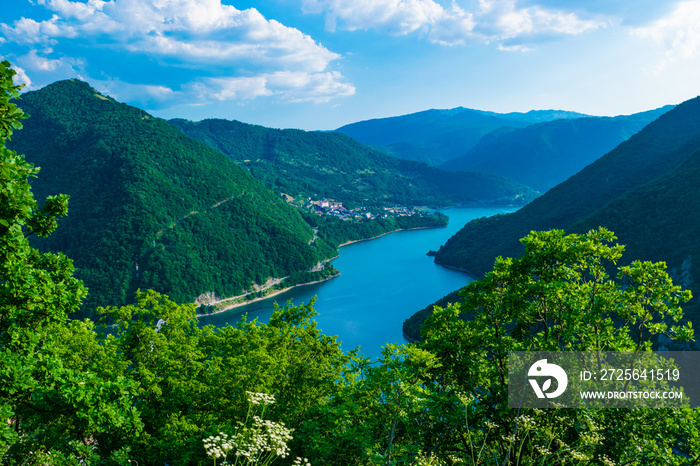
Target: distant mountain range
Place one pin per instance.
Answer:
(436, 136)
(646, 190)
(545, 154)
(326, 164)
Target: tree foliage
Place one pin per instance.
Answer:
(50, 405)
(150, 207)
(157, 388)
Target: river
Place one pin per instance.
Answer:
(383, 282)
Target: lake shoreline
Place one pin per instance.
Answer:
(383, 282)
(453, 267)
(284, 290)
(261, 298)
(384, 234)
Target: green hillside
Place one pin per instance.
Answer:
(158, 388)
(435, 136)
(644, 191)
(143, 194)
(545, 154)
(332, 165)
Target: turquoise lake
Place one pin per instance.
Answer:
(383, 282)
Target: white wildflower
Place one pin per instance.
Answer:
(544, 451)
(526, 422)
(260, 398)
(491, 425)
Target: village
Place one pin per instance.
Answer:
(336, 209)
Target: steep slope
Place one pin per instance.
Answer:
(657, 221)
(435, 136)
(150, 207)
(646, 190)
(322, 164)
(545, 154)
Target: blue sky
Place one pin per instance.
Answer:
(319, 64)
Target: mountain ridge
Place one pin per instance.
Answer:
(435, 136)
(321, 164)
(544, 154)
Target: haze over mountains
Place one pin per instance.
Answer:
(543, 155)
(436, 136)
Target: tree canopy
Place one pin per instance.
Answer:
(157, 388)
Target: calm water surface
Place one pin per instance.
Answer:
(382, 283)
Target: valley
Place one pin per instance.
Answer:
(341, 233)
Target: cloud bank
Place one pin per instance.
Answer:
(234, 53)
(677, 34)
(486, 21)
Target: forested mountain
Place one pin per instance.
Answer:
(150, 207)
(545, 154)
(646, 191)
(322, 164)
(161, 389)
(435, 136)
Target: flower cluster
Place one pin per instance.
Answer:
(542, 450)
(591, 438)
(577, 455)
(424, 460)
(491, 425)
(271, 436)
(260, 398)
(218, 446)
(259, 443)
(526, 422)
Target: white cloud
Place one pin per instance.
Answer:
(34, 62)
(28, 31)
(38, 65)
(21, 77)
(316, 87)
(489, 21)
(232, 88)
(402, 16)
(242, 46)
(455, 26)
(678, 34)
(151, 95)
(514, 48)
(504, 20)
(288, 85)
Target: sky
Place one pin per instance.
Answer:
(321, 64)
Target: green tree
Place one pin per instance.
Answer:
(444, 400)
(559, 297)
(193, 382)
(48, 405)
